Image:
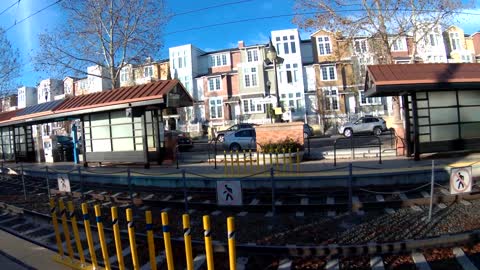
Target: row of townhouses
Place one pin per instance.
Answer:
(320, 80)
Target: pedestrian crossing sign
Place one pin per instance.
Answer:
(63, 183)
(229, 192)
(461, 180)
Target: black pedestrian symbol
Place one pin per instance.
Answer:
(228, 193)
(62, 183)
(460, 181)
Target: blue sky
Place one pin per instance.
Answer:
(24, 35)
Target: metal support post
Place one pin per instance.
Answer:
(82, 195)
(350, 191)
(23, 182)
(185, 190)
(431, 191)
(273, 189)
(48, 183)
(130, 190)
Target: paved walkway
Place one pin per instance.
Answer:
(18, 254)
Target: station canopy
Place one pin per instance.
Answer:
(402, 79)
(169, 93)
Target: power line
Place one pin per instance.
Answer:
(33, 14)
(9, 7)
(295, 14)
(210, 7)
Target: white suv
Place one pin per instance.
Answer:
(367, 124)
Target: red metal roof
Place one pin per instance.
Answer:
(397, 74)
(5, 116)
(150, 91)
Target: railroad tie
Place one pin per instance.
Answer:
(390, 211)
(269, 214)
(242, 263)
(333, 265)
(242, 214)
(254, 202)
(425, 194)
(463, 260)
(331, 213)
(466, 203)
(199, 261)
(285, 264)
(380, 198)
(445, 191)
(206, 201)
(376, 263)
(403, 196)
(416, 208)
(114, 258)
(148, 197)
(441, 205)
(299, 214)
(168, 198)
(191, 211)
(160, 259)
(216, 213)
(304, 201)
(420, 261)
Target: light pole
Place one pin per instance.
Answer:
(273, 58)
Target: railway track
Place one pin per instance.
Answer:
(298, 236)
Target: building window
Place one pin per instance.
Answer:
(331, 98)
(455, 41)
(252, 55)
(292, 100)
(361, 46)
(329, 73)
(251, 106)
(216, 108)
(148, 71)
(123, 77)
(324, 45)
(292, 73)
(218, 60)
(214, 84)
(369, 100)
(250, 77)
(288, 44)
(398, 45)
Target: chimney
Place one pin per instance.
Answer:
(241, 44)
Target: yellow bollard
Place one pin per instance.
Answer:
(258, 159)
(290, 168)
(231, 159)
(188, 241)
(238, 163)
(166, 239)
(151, 243)
(53, 212)
(131, 236)
(66, 230)
(208, 242)
(73, 221)
(225, 162)
(101, 235)
(250, 155)
(88, 232)
(284, 160)
(231, 243)
(298, 160)
(118, 239)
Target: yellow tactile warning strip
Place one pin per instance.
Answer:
(35, 256)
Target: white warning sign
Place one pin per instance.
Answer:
(229, 192)
(461, 180)
(63, 183)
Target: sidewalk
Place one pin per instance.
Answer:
(18, 254)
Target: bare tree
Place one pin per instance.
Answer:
(107, 33)
(9, 65)
(383, 20)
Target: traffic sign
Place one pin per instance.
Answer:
(229, 192)
(461, 180)
(63, 183)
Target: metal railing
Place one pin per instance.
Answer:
(354, 142)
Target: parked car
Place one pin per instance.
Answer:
(307, 130)
(240, 139)
(221, 134)
(184, 141)
(366, 124)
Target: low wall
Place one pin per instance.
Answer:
(279, 132)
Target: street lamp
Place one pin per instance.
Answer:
(273, 58)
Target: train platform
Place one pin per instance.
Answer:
(19, 254)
